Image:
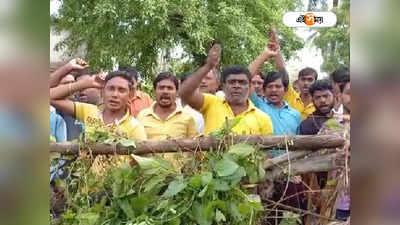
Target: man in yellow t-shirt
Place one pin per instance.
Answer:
(236, 85)
(165, 119)
(115, 115)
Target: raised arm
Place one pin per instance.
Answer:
(74, 64)
(189, 89)
(59, 94)
(278, 57)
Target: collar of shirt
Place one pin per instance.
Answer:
(151, 112)
(117, 122)
(251, 107)
(285, 104)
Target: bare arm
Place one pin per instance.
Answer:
(189, 89)
(74, 64)
(59, 94)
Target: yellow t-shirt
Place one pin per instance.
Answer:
(216, 110)
(178, 124)
(294, 101)
(127, 126)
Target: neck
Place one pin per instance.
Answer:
(110, 116)
(305, 98)
(238, 108)
(279, 105)
(164, 112)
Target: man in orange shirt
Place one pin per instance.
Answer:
(139, 100)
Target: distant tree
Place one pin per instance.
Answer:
(145, 32)
(335, 42)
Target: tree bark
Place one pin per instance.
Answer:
(293, 143)
(322, 163)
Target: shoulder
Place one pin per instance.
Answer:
(134, 122)
(293, 112)
(143, 113)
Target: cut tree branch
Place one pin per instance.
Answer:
(297, 142)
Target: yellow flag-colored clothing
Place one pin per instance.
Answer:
(127, 127)
(179, 124)
(294, 101)
(215, 110)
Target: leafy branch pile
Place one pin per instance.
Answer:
(207, 189)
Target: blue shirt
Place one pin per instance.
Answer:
(58, 128)
(285, 120)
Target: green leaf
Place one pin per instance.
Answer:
(195, 181)
(200, 215)
(127, 143)
(235, 178)
(235, 212)
(220, 185)
(175, 187)
(88, 218)
(154, 181)
(241, 150)
(226, 167)
(219, 216)
(127, 208)
(206, 178)
(203, 192)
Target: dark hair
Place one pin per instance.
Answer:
(121, 74)
(166, 76)
(340, 75)
(131, 70)
(85, 72)
(308, 71)
(273, 76)
(227, 71)
(343, 85)
(321, 85)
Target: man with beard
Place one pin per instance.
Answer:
(165, 119)
(235, 106)
(323, 99)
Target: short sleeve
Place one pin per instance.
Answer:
(209, 100)
(83, 110)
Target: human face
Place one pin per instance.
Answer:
(88, 95)
(323, 101)
(116, 94)
(274, 91)
(209, 83)
(346, 98)
(165, 93)
(236, 89)
(257, 83)
(305, 83)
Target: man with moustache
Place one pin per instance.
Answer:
(165, 119)
(235, 105)
(323, 99)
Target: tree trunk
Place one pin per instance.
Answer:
(298, 142)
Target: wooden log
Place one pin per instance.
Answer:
(323, 163)
(293, 143)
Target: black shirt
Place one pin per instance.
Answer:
(74, 127)
(312, 124)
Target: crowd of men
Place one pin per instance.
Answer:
(264, 103)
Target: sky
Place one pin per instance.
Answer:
(309, 56)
